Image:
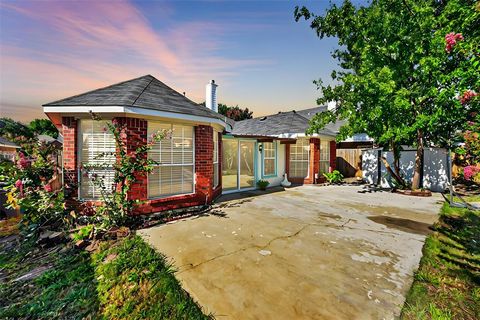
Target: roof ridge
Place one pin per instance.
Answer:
(94, 90)
(153, 78)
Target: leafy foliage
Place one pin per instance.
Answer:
(115, 208)
(262, 184)
(43, 126)
(403, 74)
(233, 112)
(334, 177)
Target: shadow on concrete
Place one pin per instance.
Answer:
(246, 194)
(374, 188)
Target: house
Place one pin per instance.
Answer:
(8, 149)
(207, 154)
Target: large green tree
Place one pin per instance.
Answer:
(404, 68)
(233, 112)
(43, 126)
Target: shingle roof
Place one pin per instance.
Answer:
(283, 122)
(144, 92)
(6, 143)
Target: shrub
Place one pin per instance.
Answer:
(262, 184)
(334, 177)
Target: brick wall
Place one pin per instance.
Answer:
(333, 154)
(204, 162)
(134, 135)
(70, 163)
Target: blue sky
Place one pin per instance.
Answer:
(260, 57)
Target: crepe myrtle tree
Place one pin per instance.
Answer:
(404, 67)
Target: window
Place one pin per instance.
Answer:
(173, 173)
(269, 158)
(97, 153)
(215, 159)
(324, 156)
(299, 158)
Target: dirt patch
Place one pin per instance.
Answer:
(406, 225)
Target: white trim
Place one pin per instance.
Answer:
(132, 110)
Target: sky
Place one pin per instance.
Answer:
(255, 51)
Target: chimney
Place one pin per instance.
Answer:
(211, 96)
(332, 106)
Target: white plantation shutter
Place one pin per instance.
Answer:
(97, 147)
(269, 157)
(299, 158)
(173, 173)
(324, 156)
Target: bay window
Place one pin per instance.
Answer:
(299, 158)
(269, 157)
(324, 156)
(97, 157)
(174, 172)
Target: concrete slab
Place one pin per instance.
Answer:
(308, 252)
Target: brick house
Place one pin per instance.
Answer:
(207, 154)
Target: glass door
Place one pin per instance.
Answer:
(247, 164)
(230, 164)
(238, 164)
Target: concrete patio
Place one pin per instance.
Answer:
(308, 252)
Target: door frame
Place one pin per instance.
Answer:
(255, 173)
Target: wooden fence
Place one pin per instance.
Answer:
(349, 161)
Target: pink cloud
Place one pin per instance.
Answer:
(71, 47)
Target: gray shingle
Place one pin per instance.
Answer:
(145, 92)
(8, 143)
(280, 123)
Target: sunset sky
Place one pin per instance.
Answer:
(260, 57)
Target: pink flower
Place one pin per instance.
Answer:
(470, 171)
(467, 96)
(22, 162)
(47, 188)
(123, 135)
(451, 40)
(18, 184)
(115, 122)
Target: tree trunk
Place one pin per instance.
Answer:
(392, 173)
(418, 161)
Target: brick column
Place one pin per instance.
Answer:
(70, 161)
(134, 135)
(333, 154)
(314, 159)
(204, 162)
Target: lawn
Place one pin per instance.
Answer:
(447, 283)
(122, 279)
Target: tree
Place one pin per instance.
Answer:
(402, 73)
(235, 113)
(12, 129)
(43, 126)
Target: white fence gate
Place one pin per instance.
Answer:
(434, 174)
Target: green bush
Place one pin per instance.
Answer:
(262, 184)
(334, 177)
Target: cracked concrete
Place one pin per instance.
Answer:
(306, 253)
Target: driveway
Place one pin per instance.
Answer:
(308, 252)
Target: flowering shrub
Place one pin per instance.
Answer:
(467, 96)
(451, 40)
(116, 207)
(470, 172)
(29, 189)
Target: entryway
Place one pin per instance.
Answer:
(238, 164)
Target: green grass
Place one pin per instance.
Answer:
(124, 279)
(447, 283)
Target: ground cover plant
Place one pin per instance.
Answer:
(447, 283)
(120, 279)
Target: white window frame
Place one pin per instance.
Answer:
(324, 155)
(274, 158)
(216, 172)
(162, 196)
(80, 156)
(307, 141)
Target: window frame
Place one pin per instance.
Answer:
(307, 141)
(80, 155)
(194, 178)
(327, 161)
(274, 174)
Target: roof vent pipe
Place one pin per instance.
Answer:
(211, 96)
